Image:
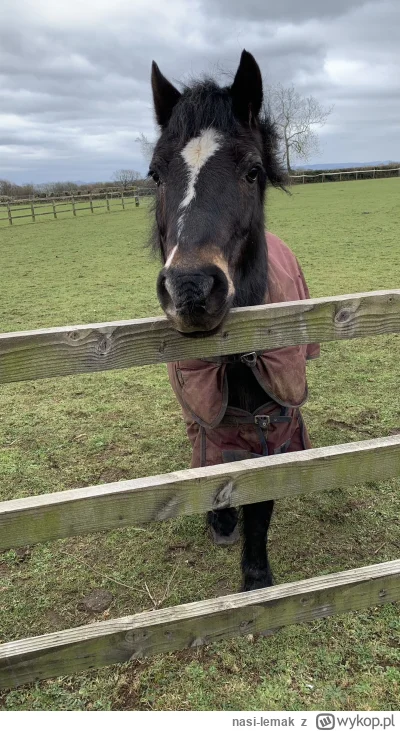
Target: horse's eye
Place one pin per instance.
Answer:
(155, 176)
(252, 174)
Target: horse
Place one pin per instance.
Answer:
(215, 156)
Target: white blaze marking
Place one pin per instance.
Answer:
(171, 256)
(195, 154)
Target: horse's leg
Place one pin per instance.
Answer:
(255, 566)
(223, 526)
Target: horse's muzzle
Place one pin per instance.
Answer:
(195, 301)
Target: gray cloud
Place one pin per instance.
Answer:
(74, 77)
(285, 10)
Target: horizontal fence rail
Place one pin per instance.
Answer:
(31, 520)
(63, 351)
(196, 624)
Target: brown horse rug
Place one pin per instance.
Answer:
(222, 433)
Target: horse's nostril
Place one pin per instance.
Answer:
(208, 285)
(162, 291)
(217, 283)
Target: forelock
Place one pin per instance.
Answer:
(202, 105)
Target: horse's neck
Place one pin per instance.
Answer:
(251, 277)
(244, 390)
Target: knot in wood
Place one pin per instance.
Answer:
(169, 509)
(343, 315)
(223, 497)
(198, 642)
(73, 335)
(130, 639)
(104, 345)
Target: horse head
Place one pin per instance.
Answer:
(216, 152)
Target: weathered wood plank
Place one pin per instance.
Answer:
(200, 623)
(62, 351)
(84, 510)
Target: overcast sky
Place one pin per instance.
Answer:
(74, 74)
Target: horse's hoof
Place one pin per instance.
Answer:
(220, 540)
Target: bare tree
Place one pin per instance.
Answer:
(146, 147)
(125, 178)
(6, 189)
(295, 117)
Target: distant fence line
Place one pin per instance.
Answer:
(78, 193)
(57, 204)
(13, 207)
(328, 175)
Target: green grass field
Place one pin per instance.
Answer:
(83, 430)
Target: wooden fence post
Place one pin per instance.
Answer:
(357, 176)
(323, 178)
(91, 203)
(136, 200)
(73, 206)
(122, 199)
(9, 214)
(54, 208)
(33, 212)
(303, 179)
(107, 203)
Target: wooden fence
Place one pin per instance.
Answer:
(89, 348)
(72, 204)
(101, 200)
(331, 175)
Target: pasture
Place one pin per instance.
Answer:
(84, 430)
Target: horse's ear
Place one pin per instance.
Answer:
(165, 95)
(247, 89)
